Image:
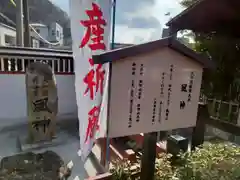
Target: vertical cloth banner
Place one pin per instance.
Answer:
(90, 29)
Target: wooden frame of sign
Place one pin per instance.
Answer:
(152, 85)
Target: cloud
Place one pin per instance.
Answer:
(133, 5)
(139, 21)
(156, 34)
(124, 34)
(144, 22)
(138, 40)
(134, 21)
(134, 13)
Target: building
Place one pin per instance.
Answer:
(56, 33)
(40, 29)
(35, 42)
(67, 41)
(7, 35)
(52, 33)
(165, 32)
(7, 31)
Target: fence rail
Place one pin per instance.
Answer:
(204, 119)
(16, 59)
(228, 111)
(224, 126)
(224, 110)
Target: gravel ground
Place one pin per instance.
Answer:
(67, 150)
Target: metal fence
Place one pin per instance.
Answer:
(16, 59)
(224, 110)
(227, 111)
(224, 119)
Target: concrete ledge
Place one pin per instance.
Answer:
(105, 176)
(19, 123)
(96, 163)
(24, 146)
(108, 176)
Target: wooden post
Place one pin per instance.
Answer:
(230, 104)
(199, 129)
(213, 111)
(163, 135)
(238, 117)
(19, 23)
(103, 146)
(149, 156)
(27, 42)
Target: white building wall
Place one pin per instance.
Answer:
(6, 30)
(13, 104)
(56, 33)
(43, 31)
(35, 43)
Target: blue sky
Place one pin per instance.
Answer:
(141, 21)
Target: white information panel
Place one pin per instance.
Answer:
(154, 92)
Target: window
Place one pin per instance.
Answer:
(35, 43)
(53, 32)
(7, 39)
(57, 33)
(10, 40)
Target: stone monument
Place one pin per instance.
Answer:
(42, 101)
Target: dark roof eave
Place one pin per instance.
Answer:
(5, 20)
(184, 12)
(222, 18)
(144, 48)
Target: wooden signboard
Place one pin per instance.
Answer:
(153, 87)
(42, 101)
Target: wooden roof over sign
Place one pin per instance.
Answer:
(135, 50)
(221, 16)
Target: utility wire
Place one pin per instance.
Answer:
(46, 41)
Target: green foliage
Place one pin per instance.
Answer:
(186, 37)
(13, 3)
(164, 170)
(187, 3)
(218, 161)
(211, 162)
(121, 170)
(223, 83)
